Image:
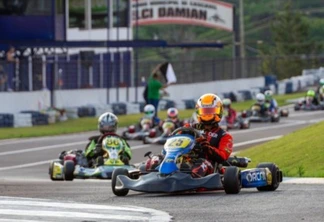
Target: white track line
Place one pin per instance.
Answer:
(41, 210)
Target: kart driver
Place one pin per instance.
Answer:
(231, 113)
(173, 115)
(310, 98)
(215, 144)
(272, 102)
(149, 113)
(260, 101)
(107, 125)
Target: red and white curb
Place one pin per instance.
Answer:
(36, 210)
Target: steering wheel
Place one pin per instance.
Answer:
(185, 130)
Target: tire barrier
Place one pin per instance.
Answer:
(37, 117)
(6, 120)
(119, 108)
(86, 111)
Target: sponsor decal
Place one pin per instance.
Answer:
(255, 176)
(200, 12)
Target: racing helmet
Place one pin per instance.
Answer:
(227, 102)
(107, 123)
(149, 111)
(268, 95)
(260, 98)
(310, 93)
(209, 109)
(321, 82)
(172, 113)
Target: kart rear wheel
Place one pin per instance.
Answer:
(232, 180)
(145, 140)
(51, 168)
(68, 170)
(275, 174)
(115, 182)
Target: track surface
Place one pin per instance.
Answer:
(24, 167)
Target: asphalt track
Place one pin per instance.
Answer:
(24, 168)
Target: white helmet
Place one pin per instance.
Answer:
(260, 98)
(149, 111)
(321, 82)
(108, 122)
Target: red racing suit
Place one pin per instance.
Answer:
(217, 146)
(231, 116)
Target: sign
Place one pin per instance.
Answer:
(209, 13)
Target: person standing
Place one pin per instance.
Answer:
(154, 85)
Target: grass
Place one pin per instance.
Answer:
(299, 154)
(90, 123)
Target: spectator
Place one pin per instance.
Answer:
(154, 86)
(12, 60)
(3, 79)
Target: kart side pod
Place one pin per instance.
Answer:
(265, 177)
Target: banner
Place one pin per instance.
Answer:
(209, 13)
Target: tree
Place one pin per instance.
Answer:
(290, 34)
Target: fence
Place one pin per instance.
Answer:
(117, 70)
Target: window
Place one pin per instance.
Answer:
(120, 13)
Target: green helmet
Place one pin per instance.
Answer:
(310, 93)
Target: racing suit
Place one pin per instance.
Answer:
(95, 144)
(273, 105)
(216, 147)
(156, 121)
(263, 109)
(231, 116)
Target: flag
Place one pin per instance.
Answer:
(167, 72)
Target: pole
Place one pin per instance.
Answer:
(136, 54)
(109, 6)
(242, 36)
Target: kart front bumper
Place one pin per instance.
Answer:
(156, 183)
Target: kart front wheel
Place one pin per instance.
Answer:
(51, 169)
(276, 175)
(115, 182)
(232, 180)
(68, 170)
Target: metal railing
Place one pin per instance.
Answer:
(71, 72)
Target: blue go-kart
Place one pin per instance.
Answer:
(170, 177)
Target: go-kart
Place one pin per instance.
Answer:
(170, 177)
(308, 106)
(74, 164)
(254, 115)
(138, 132)
(167, 127)
(239, 122)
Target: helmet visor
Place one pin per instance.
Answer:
(207, 114)
(149, 112)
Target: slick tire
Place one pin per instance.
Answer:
(51, 167)
(68, 170)
(276, 176)
(232, 180)
(115, 183)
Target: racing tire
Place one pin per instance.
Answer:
(68, 170)
(51, 167)
(114, 182)
(144, 140)
(232, 180)
(275, 174)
